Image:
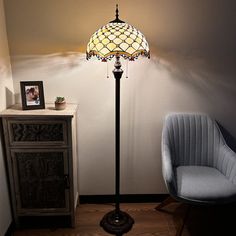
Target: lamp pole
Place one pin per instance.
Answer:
(117, 74)
(117, 222)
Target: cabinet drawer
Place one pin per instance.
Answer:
(37, 132)
(41, 180)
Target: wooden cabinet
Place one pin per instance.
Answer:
(41, 155)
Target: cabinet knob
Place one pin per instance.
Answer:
(67, 181)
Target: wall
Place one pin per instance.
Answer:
(192, 69)
(6, 98)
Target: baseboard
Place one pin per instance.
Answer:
(124, 198)
(10, 230)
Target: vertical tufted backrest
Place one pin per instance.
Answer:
(194, 139)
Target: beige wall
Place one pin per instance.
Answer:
(6, 98)
(192, 69)
(6, 85)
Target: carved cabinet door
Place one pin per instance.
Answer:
(41, 180)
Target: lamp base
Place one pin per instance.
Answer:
(117, 223)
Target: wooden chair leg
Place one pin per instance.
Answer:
(181, 226)
(167, 201)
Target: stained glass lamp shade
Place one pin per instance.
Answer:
(116, 39)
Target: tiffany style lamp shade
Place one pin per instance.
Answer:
(116, 39)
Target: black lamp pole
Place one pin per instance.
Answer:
(117, 74)
(117, 222)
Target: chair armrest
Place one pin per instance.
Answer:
(168, 170)
(227, 163)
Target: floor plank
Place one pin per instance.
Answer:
(148, 222)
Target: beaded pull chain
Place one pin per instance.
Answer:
(127, 67)
(107, 71)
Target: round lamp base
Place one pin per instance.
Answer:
(117, 223)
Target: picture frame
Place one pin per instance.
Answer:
(32, 95)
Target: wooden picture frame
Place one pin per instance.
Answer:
(32, 95)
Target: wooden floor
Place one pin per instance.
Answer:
(149, 222)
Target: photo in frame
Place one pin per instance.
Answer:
(32, 95)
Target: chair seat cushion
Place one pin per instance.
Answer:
(201, 183)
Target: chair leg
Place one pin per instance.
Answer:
(166, 202)
(181, 226)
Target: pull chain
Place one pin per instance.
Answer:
(107, 70)
(127, 67)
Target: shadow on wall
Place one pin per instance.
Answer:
(229, 138)
(4, 70)
(6, 87)
(53, 64)
(205, 74)
(213, 79)
(9, 97)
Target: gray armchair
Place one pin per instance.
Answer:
(198, 167)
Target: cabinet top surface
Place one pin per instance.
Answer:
(16, 110)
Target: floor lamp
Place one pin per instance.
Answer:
(116, 39)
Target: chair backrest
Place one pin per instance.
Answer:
(194, 139)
